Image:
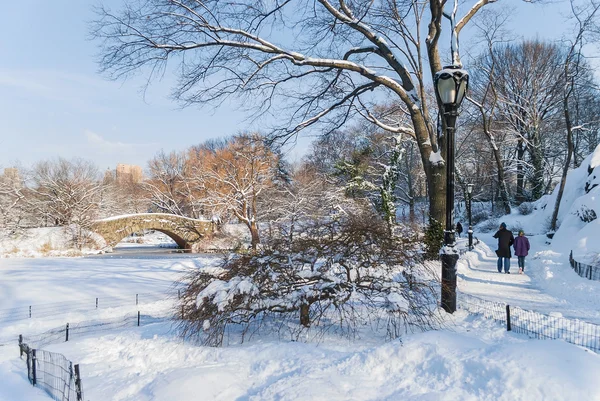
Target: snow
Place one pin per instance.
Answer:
(152, 215)
(471, 359)
(36, 242)
(436, 158)
(574, 234)
(467, 358)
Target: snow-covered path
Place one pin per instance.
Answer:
(549, 285)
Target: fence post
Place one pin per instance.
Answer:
(178, 294)
(67, 333)
(138, 318)
(29, 375)
(96, 303)
(508, 328)
(136, 299)
(78, 383)
(33, 368)
(30, 311)
(20, 345)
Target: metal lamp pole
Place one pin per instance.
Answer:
(470, 197)
(451, 84)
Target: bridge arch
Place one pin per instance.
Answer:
(184, 231)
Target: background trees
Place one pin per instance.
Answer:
(344, 56)
(13, 202)
(232, 177)
(66, 192)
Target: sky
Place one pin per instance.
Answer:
(54, 103)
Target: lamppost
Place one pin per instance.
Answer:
(470, 199)
(451, 84)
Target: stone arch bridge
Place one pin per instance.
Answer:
(183, 230)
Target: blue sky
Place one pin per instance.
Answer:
(54, 103)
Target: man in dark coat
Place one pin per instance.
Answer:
(459, 229)
(505, 241)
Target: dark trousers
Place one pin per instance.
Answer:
(521, 261)
(506, 265)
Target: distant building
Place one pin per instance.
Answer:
(127, 173)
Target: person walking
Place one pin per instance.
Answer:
(459, 229)
(505, 241)
(521, 246)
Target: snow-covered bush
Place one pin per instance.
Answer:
(338, 274)
(525, 208)
(489, 226)
(516, 227)
(480, 216)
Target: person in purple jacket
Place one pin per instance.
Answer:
(521, 246)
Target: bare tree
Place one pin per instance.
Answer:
(344, 56)
(528, 98)
(484, 89)
(574, 66)
(67, 193)
(232, 178)
(13, 200)
(167, 184)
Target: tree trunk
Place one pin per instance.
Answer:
(254, 233)
(537, 163)
(411, 190)
(520, 197)
(434, 171)
(502, 181)
(437, 193)
(565, 171)
(305, 315)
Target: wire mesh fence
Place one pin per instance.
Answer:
(74, 330)
(587, 271)
(53, 373)
(535, 324)
(11, 315)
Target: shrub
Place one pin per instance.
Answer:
(586, 214)
(480, 216)
(525, 208)
(46, 248)
(516, 227)
(489, 226)
(337, 274)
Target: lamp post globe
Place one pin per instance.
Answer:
(451, 85)
(470, 199)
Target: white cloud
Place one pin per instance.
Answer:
(98, 141)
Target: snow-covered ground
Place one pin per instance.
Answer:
(470, 359)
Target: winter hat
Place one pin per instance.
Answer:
(521, 232)
(503, 225)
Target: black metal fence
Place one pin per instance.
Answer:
(52, 372)
(587, 271)
(535, 324)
